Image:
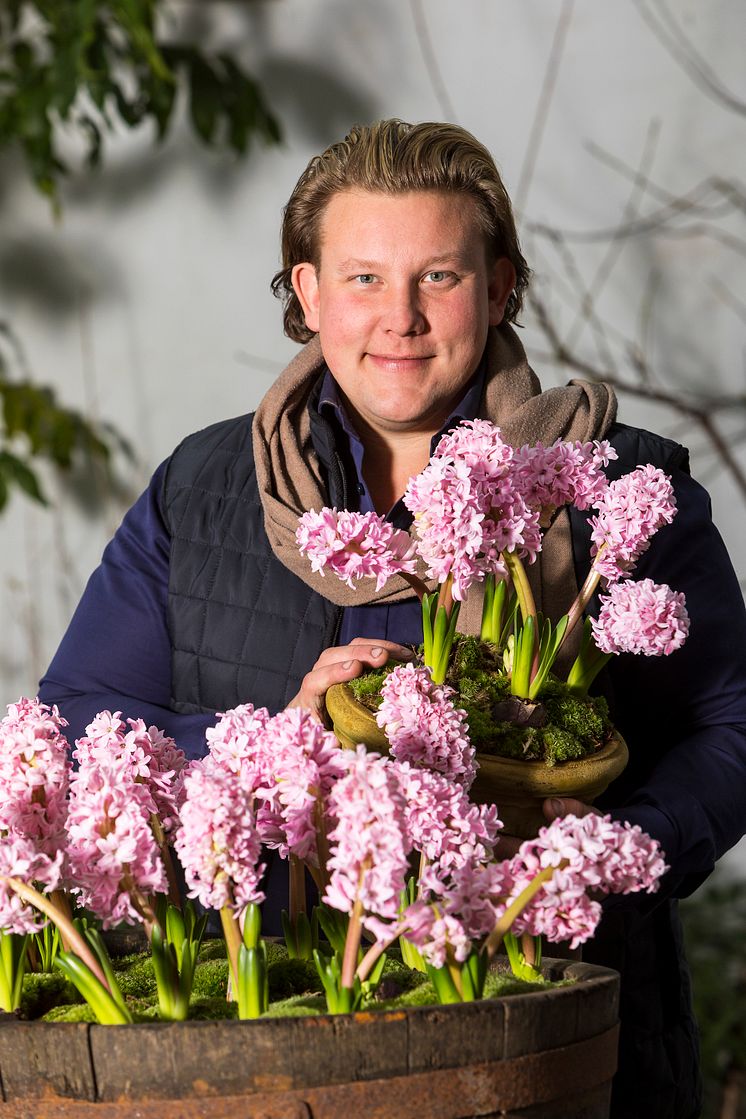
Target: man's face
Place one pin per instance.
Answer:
(402, 301)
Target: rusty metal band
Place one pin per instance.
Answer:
(464, 1092)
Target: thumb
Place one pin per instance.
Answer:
(556, 808)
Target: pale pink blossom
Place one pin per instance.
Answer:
(113, 858)
(20, 858)
(34, 774)
(643, 617)
(370, 842)
(423, 725)
(563, 474)
(218, 843)
(457, 910)
(150, 756)
(355, 545)
(632, 510)
(443, 824)
(306, 761)
(468, 508)
(237, 743)
(590, 853)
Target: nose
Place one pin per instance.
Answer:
(403, 313)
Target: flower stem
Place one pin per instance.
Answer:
(233, 942)
(352, 944)
(297, 900)
(418, 585)
(322, 845)
(63, 923)
(580, 603)
(517, 906)
(521, 585)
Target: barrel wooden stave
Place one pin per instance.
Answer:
(443, 1062)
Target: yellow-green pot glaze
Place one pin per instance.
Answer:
(518, 788)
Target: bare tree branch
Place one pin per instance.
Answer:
(701, 414)
(669, 33)
(431, 62)
(542, 109)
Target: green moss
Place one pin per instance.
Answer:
(212, 950)
(135, 976)
(575, 726)
(297, 1006)
(288, 978)
(44, 990)
(210, 979)
(367, 688)
(212, 1009)
(79, 1012)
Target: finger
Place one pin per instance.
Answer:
(374, 652)
(556, 808)
(403, 652)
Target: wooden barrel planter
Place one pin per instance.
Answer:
(545, 1054)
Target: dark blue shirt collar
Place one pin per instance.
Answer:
(331, 404)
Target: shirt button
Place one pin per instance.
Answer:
(360, 488)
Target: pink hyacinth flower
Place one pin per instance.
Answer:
(563, 474)
(632, 510)
(643, 617)
(444, 825)
(150, 757)
(20, 858)
(306, 762)
(34, 774)
(423, 725)
(113, 857)
(468, 508)
(218, 843)
(355, 546)
(370, 842)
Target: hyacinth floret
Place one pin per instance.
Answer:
(456, 911)
(643, 617)
(306, 762)
(237, 744)
(151, 757)
(423, 725)
(34, 774)
(589, 852)
(370, 843)
(218, 843)
(633, 508)
(468, 508)
(444, 825)
(563, 474)
(113, 857)
(20, 858)
(355, 545)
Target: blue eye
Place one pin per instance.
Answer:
(437, 277)
(366, 278)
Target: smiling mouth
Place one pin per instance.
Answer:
(399, 359)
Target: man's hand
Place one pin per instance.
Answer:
(342, 663)
(557, 807)
(554, 808)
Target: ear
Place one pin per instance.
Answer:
(501, 284)
(306, 285)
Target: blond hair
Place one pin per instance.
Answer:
(393, 157)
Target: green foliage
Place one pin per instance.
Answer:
(92, 65)
(34, 425)
(714, 922)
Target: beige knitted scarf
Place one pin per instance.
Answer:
(289, 475)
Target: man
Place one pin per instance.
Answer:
(402, 271)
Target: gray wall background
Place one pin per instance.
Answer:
(619, 128)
